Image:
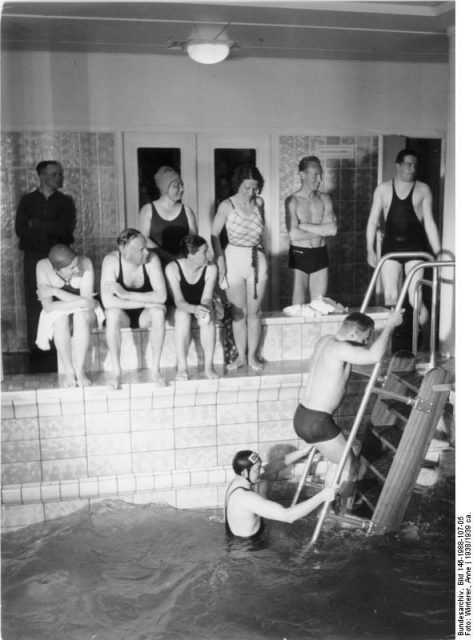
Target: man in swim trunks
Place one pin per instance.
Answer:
(309, 220)
(329, 370)
(406, 205)
(133, 294)
(245, 508)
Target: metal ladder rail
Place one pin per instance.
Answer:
(374, 374)
(438, 264)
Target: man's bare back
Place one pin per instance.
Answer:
(328, 376)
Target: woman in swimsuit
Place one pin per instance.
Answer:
(192, 280)
(243, 263)
(166, 221)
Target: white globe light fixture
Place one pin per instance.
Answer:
(208, 51)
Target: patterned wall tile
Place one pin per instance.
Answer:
(64, 469)
(195, 437)
(85, 157)
(237, 433)
(236, 413)
(18, 472)
(61, 426)
(153, 461)
(107, 465)
(61, 448)
(196, 497)
(53, 510)
(204, 415)
(117, 422)
(20, 451)
(195, 458)
(113, 444)
(152, 419)
(23, 515)
(161, 440)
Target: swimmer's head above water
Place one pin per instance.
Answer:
(247, 464)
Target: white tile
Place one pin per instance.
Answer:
(126, 484)
(88, 488)
(11, 494)
(23, 515)
(31, 493)
(69, 489)
(50, 491)
(108, 486)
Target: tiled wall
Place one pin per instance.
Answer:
(63, 448)
(350, 166)
(90, 176)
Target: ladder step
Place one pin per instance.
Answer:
(411, 380)
(389, 436)
(373, 468)
(399, 409)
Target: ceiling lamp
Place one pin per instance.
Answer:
(208, 51)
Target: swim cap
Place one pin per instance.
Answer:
(244, 460)
(164, 177)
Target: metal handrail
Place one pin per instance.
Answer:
(415, 255)
(375, 372)
(436, 265)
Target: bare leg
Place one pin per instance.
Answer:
(115, 320)
(154, 316)
(236, 294)
(423, 313)
(182, 336)
(62, 340)
(300, 286)
(391, 273)
(207, 336)
(82, 321)
(254, 322)
(318, 283)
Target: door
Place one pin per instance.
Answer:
(144, 153)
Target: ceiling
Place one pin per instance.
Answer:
(395, 31)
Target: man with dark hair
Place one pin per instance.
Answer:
(245, 508)
(309, 220)
(133, 293)
(45, 217)
(406, 205)
(329, 370)
(66, 291)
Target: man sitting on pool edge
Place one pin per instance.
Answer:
(245, 508)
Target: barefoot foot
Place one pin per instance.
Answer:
(68, 381)
(182, 375)
(158, 379)
(210, 373)
(255, 365)
(236, 364)
(82, 379)
(114, 382)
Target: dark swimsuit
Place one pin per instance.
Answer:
(192, 293)
(403, 230)
(314, 426)
(167, 234)
(229, 532)
(134, 314)
(308, 259)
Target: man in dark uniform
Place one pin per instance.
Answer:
(45, 217)
(406, 205)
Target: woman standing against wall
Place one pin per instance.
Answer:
(166, 221)
(243, 263)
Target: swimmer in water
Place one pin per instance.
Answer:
(245, 508)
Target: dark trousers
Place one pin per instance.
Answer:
(32, 304)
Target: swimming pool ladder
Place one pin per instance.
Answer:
(371, 388)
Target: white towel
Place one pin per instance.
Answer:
(45, 331)
(319, 306)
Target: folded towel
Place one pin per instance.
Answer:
(319, 306)
(46, 322)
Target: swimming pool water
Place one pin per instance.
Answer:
(125, 572)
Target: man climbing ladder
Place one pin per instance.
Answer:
(329, 370)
